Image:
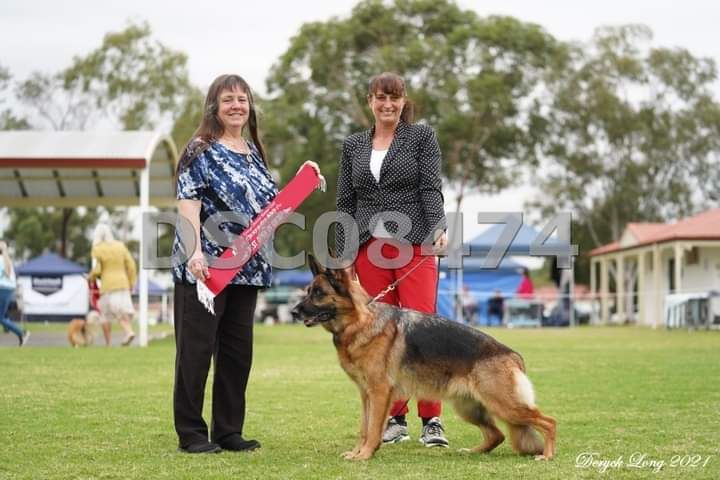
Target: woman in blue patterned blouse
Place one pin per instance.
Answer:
(220, 172)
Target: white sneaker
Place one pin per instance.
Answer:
(433, 434)
(395, 432)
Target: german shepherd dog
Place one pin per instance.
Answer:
(391, 353)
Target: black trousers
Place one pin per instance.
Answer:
(227, 338)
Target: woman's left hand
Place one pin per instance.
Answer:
(440, 242)
(322, 186)
(314, 166)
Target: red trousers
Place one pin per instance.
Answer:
(417, 291)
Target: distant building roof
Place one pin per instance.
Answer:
(646, 231)
(49, 264)
(69, 169)
(703, 226)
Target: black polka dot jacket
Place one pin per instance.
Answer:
(409, 190)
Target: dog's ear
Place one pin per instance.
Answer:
(342, 275)
(338, 278)
(315, 267)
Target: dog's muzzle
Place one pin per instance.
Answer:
(311, 318)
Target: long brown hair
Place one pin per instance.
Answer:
(393, 84)
(211, 128)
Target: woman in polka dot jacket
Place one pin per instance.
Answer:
(389, 183)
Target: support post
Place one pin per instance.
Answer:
(143, 274)
(620, 287)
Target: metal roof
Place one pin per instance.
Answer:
(70, 169)
(703, 226)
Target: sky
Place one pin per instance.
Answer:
(247, 37)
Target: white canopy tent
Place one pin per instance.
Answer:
(73, 169)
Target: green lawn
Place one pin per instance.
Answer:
(61, 327)
(106, 413)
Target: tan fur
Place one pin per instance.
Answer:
(371, 354)
(82, 331)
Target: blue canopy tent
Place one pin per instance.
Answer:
(520, 245)
(481, 283)
(52, 288)
(480, 247)
(285, 286)
(49, 264)
(295, 278)
(154, 289)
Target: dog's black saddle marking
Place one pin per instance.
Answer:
(433, 338)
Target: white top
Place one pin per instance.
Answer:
(376, 161)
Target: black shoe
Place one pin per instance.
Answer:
(236, 443)
(202, 447)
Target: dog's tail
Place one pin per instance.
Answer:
(525, 440)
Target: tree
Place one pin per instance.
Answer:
(633, 135)
(477, 81)
(130, 80)
(61, 230)
(8, 119)
(188, 118)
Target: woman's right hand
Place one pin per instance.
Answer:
(198, 266)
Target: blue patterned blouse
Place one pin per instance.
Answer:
(227, 181)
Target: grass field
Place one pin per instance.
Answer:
(106, 413)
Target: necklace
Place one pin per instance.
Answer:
(238, 147)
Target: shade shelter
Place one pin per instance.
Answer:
(73, 169)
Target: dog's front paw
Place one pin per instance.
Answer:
(363, 454)
(349, 455)
(542, 457)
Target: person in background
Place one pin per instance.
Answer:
(116, 270)
(495, 309)
(395, 166)
(8, 287)
(469, 305)
(526, 288)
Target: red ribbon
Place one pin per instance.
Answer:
(261, 229)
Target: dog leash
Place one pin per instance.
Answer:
(392, 287)
(389, 289)
(394, 284)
